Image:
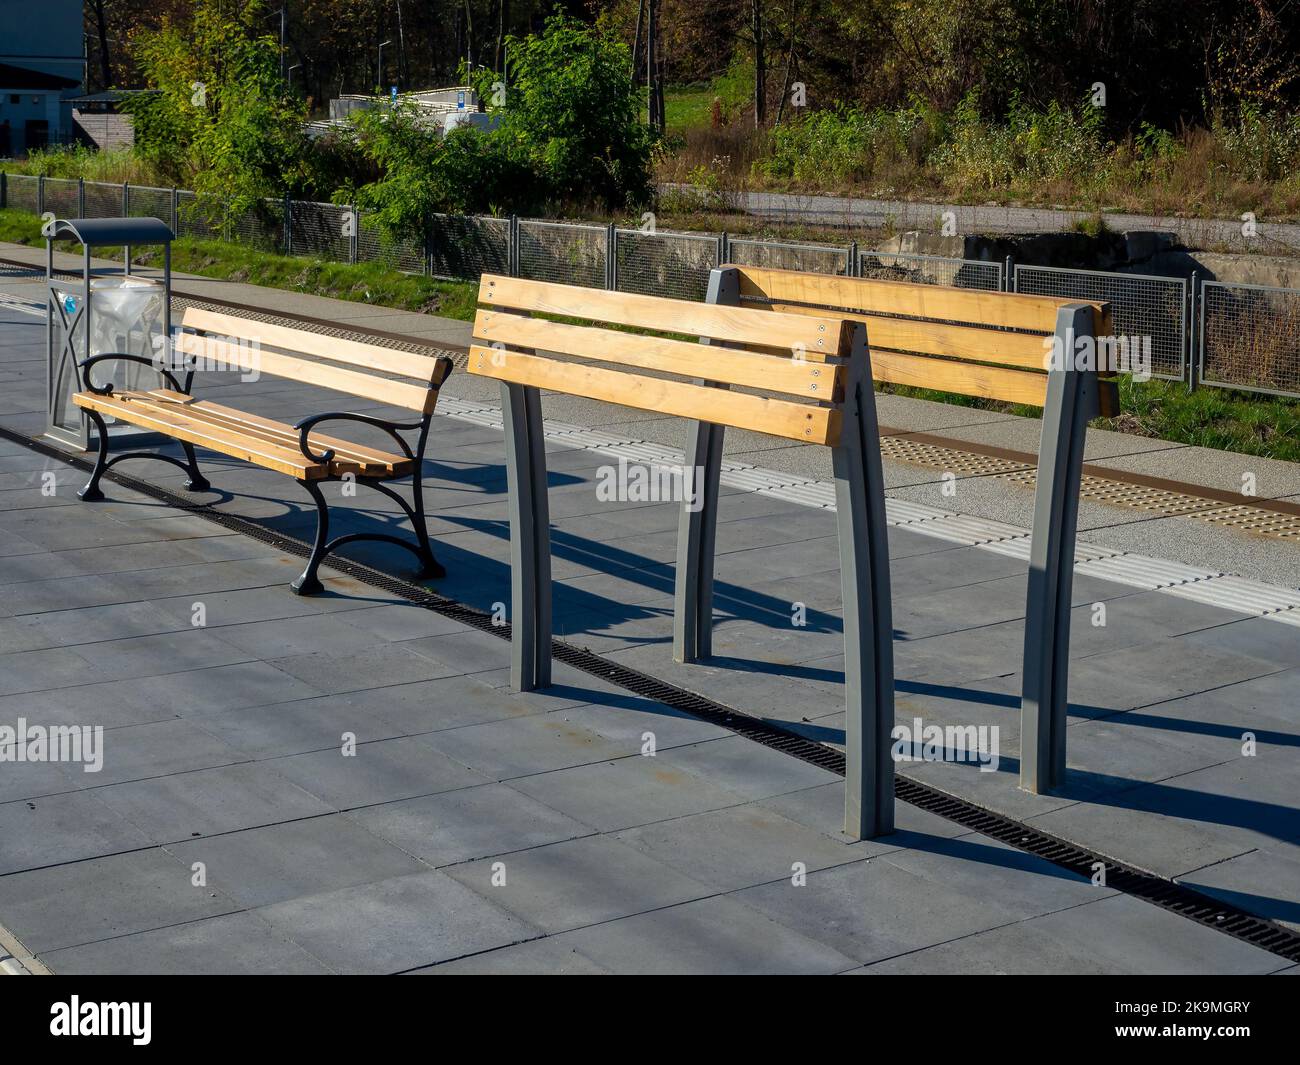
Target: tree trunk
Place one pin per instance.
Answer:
(503, 20)
(105, 65)
(760, 68)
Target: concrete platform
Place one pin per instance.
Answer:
(346, 783)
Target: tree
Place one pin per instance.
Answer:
(571, 114)
(221, 121)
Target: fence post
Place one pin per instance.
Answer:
(724, 248)
(354, 241)
(1008, 282)
(81, 197)
(4, 189)
(288, 225)
(176, 210)
(126, 200)
(853, 259)
(611, 257)
(40, 193)
(512, 249)
(1193, 334)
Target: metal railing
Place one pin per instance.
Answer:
(1216, 333)
(1249, 338)
(1142, 305)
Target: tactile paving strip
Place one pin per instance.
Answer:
(905, 449)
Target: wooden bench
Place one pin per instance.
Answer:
(364, 371)
(823, 397)
(974, 343)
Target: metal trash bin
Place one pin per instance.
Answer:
(101, 313)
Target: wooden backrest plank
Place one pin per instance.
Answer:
(963, 378)
(774, 373)
(382, 390)
(336, 349)
(776, 417)
(811, 334)
(1027, 350)
(829, 294)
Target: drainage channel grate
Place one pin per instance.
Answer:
(1167, 894)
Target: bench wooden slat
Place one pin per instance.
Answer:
(1025, 350)
(963, 378)
(814, 334)
(370, 461)
(178, 424)
(336, 349)
(775, 417)
(824, 291)
(420, 398)
(712, 362)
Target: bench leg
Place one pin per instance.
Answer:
(1044, 701)
(868, 618)
(197, 482)
(696, 537)
(92, 493)
(530, 539)
(308, 583)
(431, 568)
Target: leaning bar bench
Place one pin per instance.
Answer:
(824, 398)
(365, 371)
(970, 342)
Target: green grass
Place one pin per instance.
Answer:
(1209, 417)
(358, 283)
(688, 107)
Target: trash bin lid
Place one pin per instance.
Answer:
(96, 231)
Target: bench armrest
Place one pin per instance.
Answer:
(121, 356)
(306, 425)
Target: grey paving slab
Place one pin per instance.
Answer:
(516, 747)
(579, 882)
(469, 823)
(237, 944)
(379, 771)
(262, 866)
(205, 802)
(49, 831)
(709, 936)
(630, 791)
(397, 924)
(552, 956)
(102, 898)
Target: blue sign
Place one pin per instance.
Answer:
(460, 100)
(393, 90)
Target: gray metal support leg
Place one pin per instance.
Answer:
(1072, 401)
(696, 530)
(868, 618)
(530, 539)
(696, 533)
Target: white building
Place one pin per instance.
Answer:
(41, 68)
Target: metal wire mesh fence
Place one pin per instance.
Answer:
(664, 264)
(320, 229)
(566, 252)
(1142, 306)
(930, 270)
(776, 255)
(103, 200)
(463, 247)
(374, 245)
(1250, 337)
(23, 192)
(63, 197)
(142, 201)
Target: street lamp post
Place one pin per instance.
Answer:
(379, 74)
